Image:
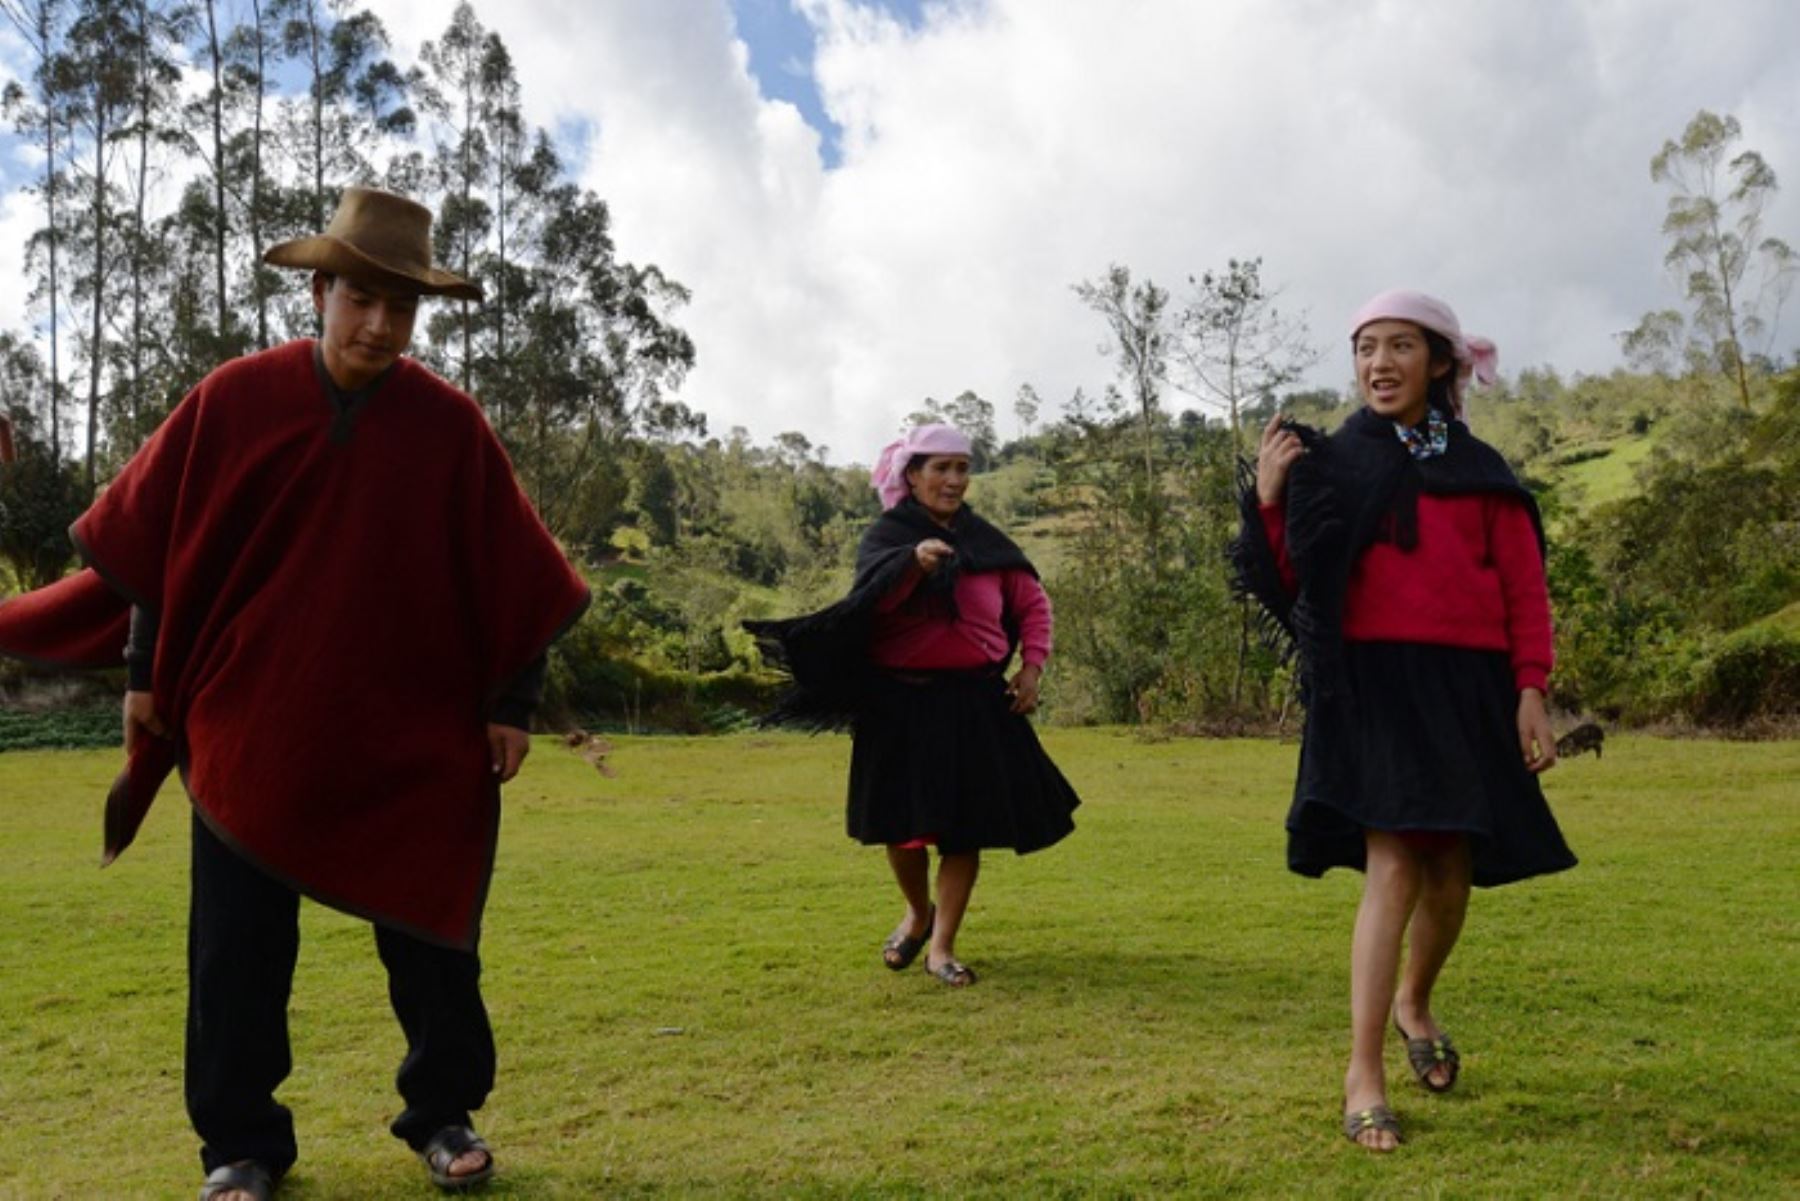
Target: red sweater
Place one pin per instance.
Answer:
(914, 641)
(1474, 580)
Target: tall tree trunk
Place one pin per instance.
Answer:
(55, 308)
(1739, 376)
(318, 121)
(96, 351)
(137, 218)
(316, 176)
(256, 179)
(218, 131)
(49, 101)
(500, 278)
(468, 185)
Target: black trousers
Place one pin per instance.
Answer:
(243, 939)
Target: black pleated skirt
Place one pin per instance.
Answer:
(940, 755)
(1425, 738)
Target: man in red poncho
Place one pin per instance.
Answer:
(335, 602)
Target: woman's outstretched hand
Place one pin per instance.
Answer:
(931, 553)
(1279, 448)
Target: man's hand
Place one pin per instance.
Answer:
(507, 748)
(1024, 688)
(1537, 741)
(141, 720)
(930, 553)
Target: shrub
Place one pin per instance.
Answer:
(1755, 673)
(60, 729)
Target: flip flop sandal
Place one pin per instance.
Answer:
(246, 1175)
(1377, 1117)
(899, 951)
(1427, 1054)
(445, 1147)
(952, 973)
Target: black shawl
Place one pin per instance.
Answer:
(827, 652)
(1351, 488)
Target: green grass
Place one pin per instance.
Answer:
(1608, 476)
(1785, 619)
(681, 965)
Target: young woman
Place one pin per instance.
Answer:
(914, 660)
(1406, 563)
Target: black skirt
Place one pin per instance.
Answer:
(940, 755)
(1424, 739)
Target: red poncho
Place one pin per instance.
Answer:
(339, 600)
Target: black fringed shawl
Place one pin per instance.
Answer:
(1357, 486)
(827, 652)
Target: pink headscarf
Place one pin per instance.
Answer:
(889, 475)
(1474, 356)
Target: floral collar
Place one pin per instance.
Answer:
(1427, 439)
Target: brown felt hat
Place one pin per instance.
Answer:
(379, 238)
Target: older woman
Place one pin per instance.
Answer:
(914, 660)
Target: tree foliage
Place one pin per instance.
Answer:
(1733, 275)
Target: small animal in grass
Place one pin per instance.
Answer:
(1588, 736)
(591, 747)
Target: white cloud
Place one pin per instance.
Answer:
(1492, 151)
(20, 217)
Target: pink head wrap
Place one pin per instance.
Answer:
(1474, 356)
(889, 475)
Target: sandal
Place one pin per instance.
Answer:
(899, 951)
(1377, 1117)
(1427, 1055)
(245, 1176)
(952, 973)
(448, 1145)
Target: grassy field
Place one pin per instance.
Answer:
(1607, 477)
(683, 976)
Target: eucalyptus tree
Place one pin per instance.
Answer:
(99, 89)
(207, 116)
(252, 54)
(1026, 405)
(37, 113)
(157, 28)
(1137, 322)
(1234, 345)
(969, 413)
(598, 360)
(452, 90)
(1734, 276)
(511, 155)
(355, 99)
(39, 494)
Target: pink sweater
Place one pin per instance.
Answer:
(1474, 580)
(907, 640)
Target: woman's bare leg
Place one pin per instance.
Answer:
(912, 871)
(1436, 923)
(1391, 886)
(955, 882)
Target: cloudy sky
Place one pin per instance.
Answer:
(875, 201)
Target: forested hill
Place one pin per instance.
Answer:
(169, 145)
(1675, 560)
